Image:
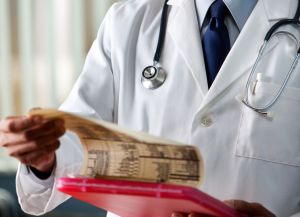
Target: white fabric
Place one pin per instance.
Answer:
(38, 196)
(246, 155)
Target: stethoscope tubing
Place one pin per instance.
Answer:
(279, 92)
(155, 81)
(154, 76)
(268, 36)
(162, 33)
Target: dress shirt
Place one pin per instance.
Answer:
(240, 10)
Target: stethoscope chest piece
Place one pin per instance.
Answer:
(153, 77)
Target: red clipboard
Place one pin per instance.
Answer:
(140, 199)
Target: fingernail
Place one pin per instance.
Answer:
(59, 122)
(26, 123)
(37, 119)
(20, 125)
(13, 127)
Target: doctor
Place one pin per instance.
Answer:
(250, 155)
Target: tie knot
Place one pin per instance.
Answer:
(218, 10)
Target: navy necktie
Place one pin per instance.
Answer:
(216, 42)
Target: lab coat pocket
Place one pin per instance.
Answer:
(275, 139)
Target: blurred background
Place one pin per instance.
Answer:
(43, 44)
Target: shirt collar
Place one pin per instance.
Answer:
(239, 9)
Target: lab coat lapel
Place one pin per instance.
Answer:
(184, 29)
(244, 52)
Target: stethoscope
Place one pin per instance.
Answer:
(265, 109)
(154, 76)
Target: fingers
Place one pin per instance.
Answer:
(38, 156)
(252, 209)
(32, 140)
(53, 126)
(17, 123)
(27, 147)
(39, 134)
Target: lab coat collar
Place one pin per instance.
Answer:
(271, 7)
(175, 2)
(202, 8)
(245, 50)
(280, 9)
(183, 28)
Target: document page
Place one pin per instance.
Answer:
(116, 153)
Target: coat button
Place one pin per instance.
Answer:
(206, 121)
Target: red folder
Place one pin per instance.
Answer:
(140, 199)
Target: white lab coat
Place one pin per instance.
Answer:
(247, 156)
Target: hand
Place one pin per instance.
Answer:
(32, 140)
(250, 209)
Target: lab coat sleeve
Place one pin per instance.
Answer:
(37, 196)
(92, 96)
